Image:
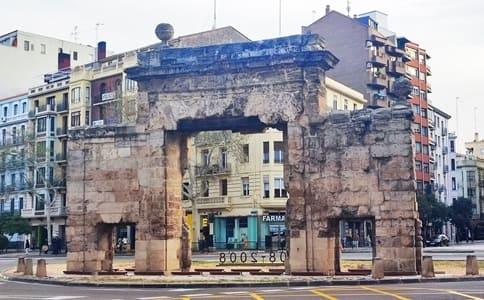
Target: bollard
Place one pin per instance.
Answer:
(41, 268)
(28, 267)
(472, 266)
(427, 267)
(20, 265)
(377, 271)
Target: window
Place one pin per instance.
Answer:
(13, 179)
(5, 111)
(76, 119)
(26, 45)
(42, 48)
(454, 187)
(345, 105)
(452, 164)
(130, 84)
(266, 186)
(425, 149)
(423, 96)
(416, 109)
(418, 166)
(52, 126)
(39, 202)
(41, 125)
(245, 186)
(426, 168)
(205, 188)
(452, 146)
(424, 112)
(223, 187)
(245, 151)
(335, 102)
(87, 118)
(15, 109)
(88, 95)
(14, 135)
(415, 90)
(278, 152)
(205, 157)
(418, 147)
(74, 55)
(412, 71)
(279, 190)
(41, 150)
(40, 176)
(22, 133)
(52, 151)
(355, 107)
(224, 158)
(185, 190)
(4, 136)
(76, 95)
(51, 102)
(265, 152)
(24, 107)
(425, 131)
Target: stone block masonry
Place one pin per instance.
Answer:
(338, 165)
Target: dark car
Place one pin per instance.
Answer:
(438, 240)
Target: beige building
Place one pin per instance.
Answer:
(239, 201)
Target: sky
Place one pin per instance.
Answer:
(451, 31)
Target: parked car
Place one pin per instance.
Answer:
(438, 240)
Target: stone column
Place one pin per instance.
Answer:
(41, 268)
(472, 266)
(29, 269)
(20, 265)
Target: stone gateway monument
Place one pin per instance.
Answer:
(339, 165)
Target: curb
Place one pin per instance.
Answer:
(286, 283)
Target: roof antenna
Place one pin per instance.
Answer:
(348, 8)
(74, 33)
(214, 14)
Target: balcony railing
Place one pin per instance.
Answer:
(429, 87)
(378, 81)
(396, 68)
(378, 59)
(273, 203)
(63, 107)
(61, 157)
(54, 212)
(214, 169)
(394, 51)
(61, 131)
(213, 202)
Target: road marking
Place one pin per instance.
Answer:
(64, 297)
(256, 297)
(195, 295)
(464, 295)
(397, 296)
(153, 298)
(270, 291)
(302, 288)
(235, 293)
(324, 295)
(182, 290)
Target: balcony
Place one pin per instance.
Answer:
(431, 123)
(429, 87)
(394, 51)
(377, 40)
(429, 71)
(396, 68)
(377, 81)
(61, 131)
(61, 157)
(273, 203)
(214, 169)
(213, 202)
(54, 212)
(378, 59)
(62, 107)
(42, 110)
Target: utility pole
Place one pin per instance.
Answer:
(280, 17)
(214, 14)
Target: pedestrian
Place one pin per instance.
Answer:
(27, 246)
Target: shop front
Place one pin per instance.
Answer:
(273, 231)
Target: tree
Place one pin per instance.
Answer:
(12, 224)
(461, 215)
(433, 213)
(39, 178)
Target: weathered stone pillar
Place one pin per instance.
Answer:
(428, 267)
(377, 270)
(29, 269)
(20, 265)
(472, 265)
(41, 268)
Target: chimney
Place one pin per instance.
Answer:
(63, 61)
(101, 50)
(476, 136)
(328, 9)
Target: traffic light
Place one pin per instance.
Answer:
(204, 222)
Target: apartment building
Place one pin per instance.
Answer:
(13, 185)
(25, 57)
(476, 147)
(239, 201)
(47, 157)
(369, 61)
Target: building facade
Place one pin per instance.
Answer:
(239, 201)
(13, 185)
(476, 147)
(32, 56)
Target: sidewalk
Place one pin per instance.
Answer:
(56, 276)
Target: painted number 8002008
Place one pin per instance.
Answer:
(251, 257)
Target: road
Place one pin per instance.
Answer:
(432, 291)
